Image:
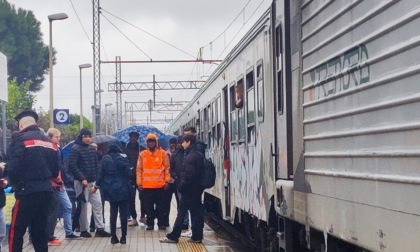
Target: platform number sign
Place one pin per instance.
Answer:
(61, 116)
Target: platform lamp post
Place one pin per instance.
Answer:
(106, 117)
(87, 65)
(51, 18)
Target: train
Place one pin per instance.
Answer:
(313, 124)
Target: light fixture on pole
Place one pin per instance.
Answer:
(106, 117)
(51, 18)
(87, 65)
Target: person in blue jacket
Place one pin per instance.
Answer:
(114, 182)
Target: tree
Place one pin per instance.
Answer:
(21, 41)
(19, 99)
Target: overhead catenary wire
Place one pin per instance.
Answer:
(148, 33)
(127, 37)
(81, 24)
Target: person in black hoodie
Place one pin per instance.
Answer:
(32, 162)
(114, 180)
(191, 192)
(177, 159)
(132, 149)
(83, 165)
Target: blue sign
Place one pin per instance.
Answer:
(61, 116)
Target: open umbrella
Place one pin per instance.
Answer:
(102, 138)
(143, 131)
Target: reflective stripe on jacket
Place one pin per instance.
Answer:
(153, 169)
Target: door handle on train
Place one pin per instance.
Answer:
(273, 154)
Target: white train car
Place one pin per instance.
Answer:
(321, 151)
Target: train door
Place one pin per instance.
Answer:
(226, 149)
(282, 106)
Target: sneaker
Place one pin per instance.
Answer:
(73, 237)
(55, 242)
(123, 240)
(150, 228)
(133, 223)
(142, 220)
(194, 241)
(187, 234)
(167, 240)
(85, 234)
(102, 233)
(162, 228)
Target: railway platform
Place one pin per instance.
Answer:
(138, 239)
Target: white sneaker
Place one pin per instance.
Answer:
(187, 234)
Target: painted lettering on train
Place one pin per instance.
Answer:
(341, 73)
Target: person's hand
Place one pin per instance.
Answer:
(84, 183)
(93, 190)
(3, 183)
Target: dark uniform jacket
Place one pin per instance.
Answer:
(32, 162)
(132, 151)
(191, 171)
(83, 161)
(115, 174)
(177, 160)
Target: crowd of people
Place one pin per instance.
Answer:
(99, 172)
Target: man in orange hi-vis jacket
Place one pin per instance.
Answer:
(153, 178)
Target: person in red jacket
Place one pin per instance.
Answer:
(153, 177)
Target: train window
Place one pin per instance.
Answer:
(233, 126)
(206, 124)
(241, 125)
(218, 110)
(232, 97)
(239, 103)
(214, 113)
(279, 70)
(250, 98)
(210, 116)
(197, 121)
(260, 91)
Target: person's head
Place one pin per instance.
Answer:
(114, 146)
(187, 141)
(190, 131)
(54, 134)
(26, 118)
(86, 136)
(172, 144)
(134, 136)
(151, 141)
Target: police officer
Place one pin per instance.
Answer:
(33, 161)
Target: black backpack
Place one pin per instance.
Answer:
(208, 178)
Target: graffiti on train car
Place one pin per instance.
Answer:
(341, 73)
(251, 182)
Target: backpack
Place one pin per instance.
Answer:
(208, 177)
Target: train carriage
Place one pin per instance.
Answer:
(313, 123)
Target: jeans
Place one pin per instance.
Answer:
(66, 206)
(53, 215)
(2, 226)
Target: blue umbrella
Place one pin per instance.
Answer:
(66, 150)
(143, 131)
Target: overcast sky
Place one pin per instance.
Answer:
(185, 24)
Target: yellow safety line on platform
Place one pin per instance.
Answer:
(185, 246)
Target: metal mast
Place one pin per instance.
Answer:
(96, 67)
(118, 91)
